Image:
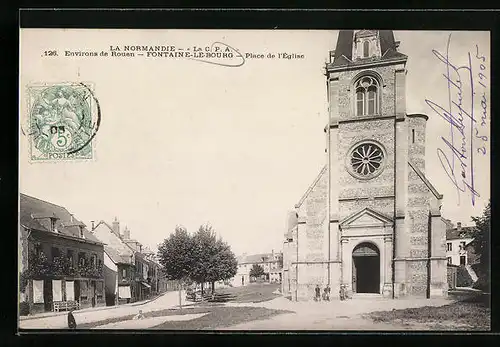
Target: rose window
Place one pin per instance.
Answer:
(366, 160)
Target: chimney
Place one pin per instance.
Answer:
(116, 227)
(126, 233)
(459, 226)
(93, 224)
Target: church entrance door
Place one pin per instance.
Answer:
(366, 269)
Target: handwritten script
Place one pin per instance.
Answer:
(466, 128)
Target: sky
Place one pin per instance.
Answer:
(183, 142)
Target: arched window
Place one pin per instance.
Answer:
(366, 49)
(367, 89)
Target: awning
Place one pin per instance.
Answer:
(146, 285)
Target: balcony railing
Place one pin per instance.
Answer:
(39, 266)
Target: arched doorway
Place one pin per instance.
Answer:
(366, 268)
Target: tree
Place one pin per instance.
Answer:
(481, 244)
(214, 260)
(175, 254)
(256, 270)
(226, 263)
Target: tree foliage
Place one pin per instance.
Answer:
(200, 257)
(256, 270)
(481, 242)
(175, 255)
(213, 258)
(226, 260)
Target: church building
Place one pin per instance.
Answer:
(371, 219)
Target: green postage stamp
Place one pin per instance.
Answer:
(63, 121)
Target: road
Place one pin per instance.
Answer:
(253, 307)
(333, 315)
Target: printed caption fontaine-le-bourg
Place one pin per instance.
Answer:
(162, 51)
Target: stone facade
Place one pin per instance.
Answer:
(371, 225)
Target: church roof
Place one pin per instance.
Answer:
(343, 49)
(429, 185)
(311, 187)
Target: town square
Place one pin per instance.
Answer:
(323, 190)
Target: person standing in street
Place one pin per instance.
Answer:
(317, 297)
(71, 320)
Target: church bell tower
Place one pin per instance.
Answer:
(370, 223)
(366, 95)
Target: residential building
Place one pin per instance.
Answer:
(458, 240)
(119, 263)
(371, 220)
(61, 262)
(142, 280)
(156, 278)
(272, 263)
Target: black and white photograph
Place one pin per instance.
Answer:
(254, 180)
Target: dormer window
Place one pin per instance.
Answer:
(53, 226)
(366, 44)
(366, 49)
(82, 235)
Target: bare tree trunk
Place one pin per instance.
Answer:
(180, 295)
(213, 290)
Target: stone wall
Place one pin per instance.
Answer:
(417, 275)
(312, 234)
(312, 239)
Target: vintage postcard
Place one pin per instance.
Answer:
(254, 179)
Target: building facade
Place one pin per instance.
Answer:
(61, 261)
(458, 245)
(132, 272)
(272, 264)
(371, 220)
(119, 263)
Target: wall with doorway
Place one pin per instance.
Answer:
(384, 259)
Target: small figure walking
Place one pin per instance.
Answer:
(71, 320)
(344, 294)
(327, 293)
(138, 316)
(317, 297)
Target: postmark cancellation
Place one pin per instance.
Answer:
(63, 119)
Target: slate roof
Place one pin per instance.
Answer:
(115, 248)
(256, 258)
(429, 185)
(311, 187)
(455, 234)
(34, 214)
(343, 50)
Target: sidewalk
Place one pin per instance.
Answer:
(58, 320)
(88, 309)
